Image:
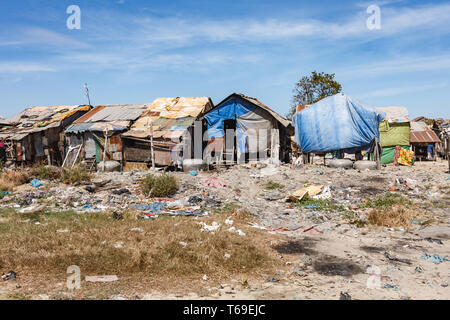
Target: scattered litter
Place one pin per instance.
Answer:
(213, 182)
(62, 230)
(213, 227)
(205, 277)
(137, 229)
(229, 222)
(387, 255)
(227, 256)
(33, 209)
(345, 296)
(435, 258)
(118, 245)
(36, 183)
(183, 244)
(272, 280)
(111, 278)
(439, 241)
(11, 275)
(193, 173)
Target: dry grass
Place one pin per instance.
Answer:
(159, 186)
(10, 180)
(396, 216)
(153, 251)
(76, 175)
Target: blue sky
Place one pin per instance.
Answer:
(133, 51)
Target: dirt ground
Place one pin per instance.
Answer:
(324, 248)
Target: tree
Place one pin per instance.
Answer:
(313, 88)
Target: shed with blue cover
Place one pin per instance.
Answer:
(338, 122)
(242, 127)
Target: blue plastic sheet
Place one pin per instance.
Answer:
(335, 123)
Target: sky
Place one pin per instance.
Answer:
(133, 51)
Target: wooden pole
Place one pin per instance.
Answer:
(448, 153)
(377, 154)
(151, 146)
(104, 151)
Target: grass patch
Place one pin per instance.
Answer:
(397, 216)
(388, 200)
(76, 175)
(159, 186)
(270, 185)
(10, 180)
(150, 249)
(48, 173)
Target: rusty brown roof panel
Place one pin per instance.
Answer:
(427, 136)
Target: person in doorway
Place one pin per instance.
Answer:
(3, 158)
(430, 151)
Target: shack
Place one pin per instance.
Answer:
(36, 134)
(395, 130)
(87, 137)
(242, 128)
(421, 137)
(338, 122)
(166, 127)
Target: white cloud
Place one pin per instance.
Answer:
(23, 67)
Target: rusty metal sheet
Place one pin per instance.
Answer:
(426, 136)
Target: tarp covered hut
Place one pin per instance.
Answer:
(36, 134)
(395, 130)
(338, 122)
(88, 132)
(171, 121)
(256, 131)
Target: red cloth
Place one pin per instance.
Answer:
(2, 145)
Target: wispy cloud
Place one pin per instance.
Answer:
(397, 65)
(23, 67)
(388, 92)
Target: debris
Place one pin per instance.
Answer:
(33, 209)
(429, 239)
(387, 255)
(121, 191)
(117, 215)
(213, 227)
(195, 200)
(435, 258)
(111, 278)
(36, 183)
(345, 296)
(11, 275)
(213, 182)
(183, 244)
(226, 256)
(272, 280)
(62, 230)
(118, 245)
(205, 277)
(137, 229)
(193, 173)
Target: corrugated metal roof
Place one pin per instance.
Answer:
(258, 103)
(37, 119)
(424, 137)
(420, 133)
(127, 112)
(170, 117)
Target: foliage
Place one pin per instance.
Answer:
(313, 88)
(159, 186)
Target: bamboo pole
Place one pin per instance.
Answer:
(151, 146)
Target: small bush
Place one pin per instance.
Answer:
(48, 173)
(76, 175)
(388, 200)
(273, 185)
(159, 186)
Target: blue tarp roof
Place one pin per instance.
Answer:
(335, 123)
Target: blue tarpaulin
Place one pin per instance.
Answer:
(336, 123)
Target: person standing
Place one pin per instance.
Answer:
(430, 151)
(3, 158)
